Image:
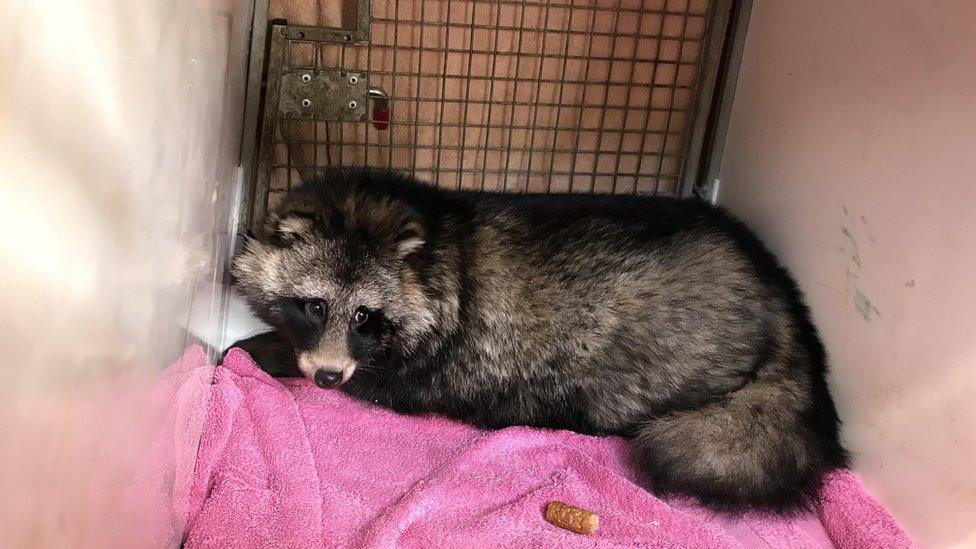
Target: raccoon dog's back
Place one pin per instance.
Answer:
(665, 321)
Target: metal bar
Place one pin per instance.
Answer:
(440, 114)
(720, 124)
(511, 112)
(265, 153)
(416, 105)
(252, 111)
(467, 96)
(722, 50)
(285, 125)
(630, 90)
(315, 125)
(535, 94)
(490, 148)
(579, 132)
(336, 34)
(668, 112)
(328, 144)
(342, 67)
(519, 171)
(329, 129)
(567, 56)
(364, 19)
(369, 98)
(393, 87)
(582, 7)
(323, 34)
(586, 34)
(529, 103)
(491, 94)
(555, 135)
(601, 174)
(517, 127)
(543, 81)
(603, 106)
(648, 110)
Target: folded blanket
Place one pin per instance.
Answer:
(282, 463)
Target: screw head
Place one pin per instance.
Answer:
(306, 77)
(353, 105)
(306, 103)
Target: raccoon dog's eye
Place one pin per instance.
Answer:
(360, 316)
(315, 308)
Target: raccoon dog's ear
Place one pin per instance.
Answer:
(397, 227)
(409, 239)
(286, 229)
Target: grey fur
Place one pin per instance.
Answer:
(664, 321)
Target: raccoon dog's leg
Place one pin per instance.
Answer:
(767, 444)
(272, 353)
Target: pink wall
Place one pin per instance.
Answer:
(852, 151)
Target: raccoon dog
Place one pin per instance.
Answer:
(660, 320)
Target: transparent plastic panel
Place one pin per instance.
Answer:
(119, 142)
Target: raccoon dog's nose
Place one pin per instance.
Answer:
(326, 379)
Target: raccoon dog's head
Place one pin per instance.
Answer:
(333, 270)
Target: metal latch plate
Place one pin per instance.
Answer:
(323, 95)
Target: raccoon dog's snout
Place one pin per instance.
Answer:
(326, 369)
(325, 378)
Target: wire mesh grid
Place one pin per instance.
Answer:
(512, 95)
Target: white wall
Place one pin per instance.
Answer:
(852, 151)
(119, 135)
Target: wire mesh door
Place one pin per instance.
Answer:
(509, 95)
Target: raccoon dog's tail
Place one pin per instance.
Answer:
(768, 444)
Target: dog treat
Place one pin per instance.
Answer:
(572, 518)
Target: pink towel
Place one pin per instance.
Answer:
(282, 463)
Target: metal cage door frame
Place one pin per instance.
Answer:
(313, 95)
